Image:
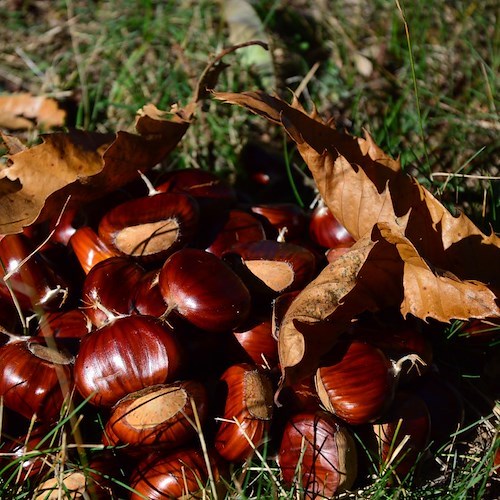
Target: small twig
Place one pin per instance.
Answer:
(303, 84)
(467, 176)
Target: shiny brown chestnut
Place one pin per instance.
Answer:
(35, 378)
(270, 267)
(109, 287)
(239, 227)
(128, 354)
(402, 433)
(208, 189)
(286, 218)
(357, 384)
(319, 454)
(325, 230)
(178, 474)
(204, 290)
(89, 249)
(151, 227)
(248, 412)
(256, 339)
(147, 298)
(34, 284)
(158, 415)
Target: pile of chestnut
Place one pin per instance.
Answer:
(146, 338)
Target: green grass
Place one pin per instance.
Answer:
(430, 98)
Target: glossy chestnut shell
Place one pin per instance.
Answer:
(111, 283)
(357, 384)
(126, 355)
(151, 227)
(35, 379)
(319, 454)
(271, 267)
(325, 230)
(249, 402)
(178, 474)
(204, 290)
(89, 249)
(158, 415)
(407, 419)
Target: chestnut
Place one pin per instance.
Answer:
(158, 415)
(89, 249)
(35, 379)
(288, 218)
(178, 474)
(151, 227)
(325, 230)
(357, 383)
(247, 412)
(211, 192)
(319, 454)
(100, 296)
(34, 284)
(204, 290)
(270, 267)
(239, 227)
(256, 339)
(125, 355)
(147, 298)
(402, 433)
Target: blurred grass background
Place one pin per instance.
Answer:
(422, 77)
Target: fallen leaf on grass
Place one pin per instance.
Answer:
(25, 111)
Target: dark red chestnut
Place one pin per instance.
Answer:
(152, 227)
(403, 433)
(204, 290)
(325, 230)
(109, 288)
(240, 227)
(179, 474)
(89, 249)
(158, 415)
(286, 218)
(147, 298)
(126, 355)
(208, 189)
(256, 339)
(270, 267)
(319, 454)
(33, 283)
(357, 384)
(35, 379)
(247, 413)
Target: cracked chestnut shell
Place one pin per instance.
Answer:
(204, 290)
(157, 415)
(125, 355)
(319, 453)
(35, 378)
(357, 384)
(249, 401)
(151, 227)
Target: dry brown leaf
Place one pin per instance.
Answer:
(79, 164)
(25, 111)
(363, 186)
